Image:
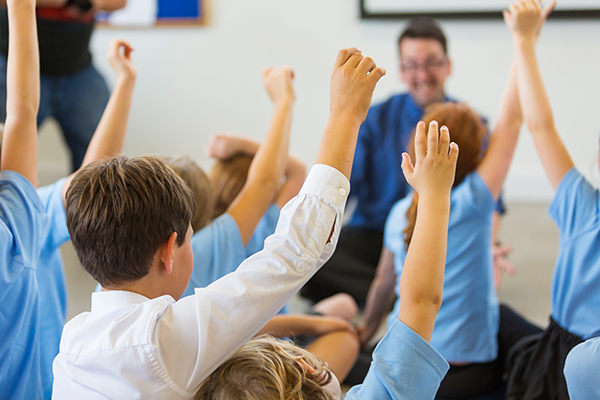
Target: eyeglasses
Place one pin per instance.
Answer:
(427, 66)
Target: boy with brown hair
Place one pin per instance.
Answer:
(130, 223)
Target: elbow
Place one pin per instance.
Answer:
(539, 126)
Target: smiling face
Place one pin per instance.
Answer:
(424, 68)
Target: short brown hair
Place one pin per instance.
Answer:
(196, 180)
(119, 213)
(466, 130)
(266, 368)
(227, 178)
(424, 28)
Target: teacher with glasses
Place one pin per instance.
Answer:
(377, 181)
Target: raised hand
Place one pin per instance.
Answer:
(353, 81)
(119, 56)
(279, 83)
(435, 161)
(223, 146)
(524, 18)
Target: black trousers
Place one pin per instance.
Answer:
(350, 269)
(476, 380)
(535, 365)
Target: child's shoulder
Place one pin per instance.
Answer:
(22, 215)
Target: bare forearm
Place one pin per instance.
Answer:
(43, 3)
(110, 135)
(422, 281)
(22, 91)
(285, 325)
(271, 158)
(539, 116)
(339, 143)
(533, 96)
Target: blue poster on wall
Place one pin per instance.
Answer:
(148, 13)
(179, 9)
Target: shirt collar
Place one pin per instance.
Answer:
(112, 299)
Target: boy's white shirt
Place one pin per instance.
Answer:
(132, 347)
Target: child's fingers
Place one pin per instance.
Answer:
(444, 140)
(344, 54)
(433, 138)
(420, 141)
(377, 74)
(354, 60)
(366, 65)
(453, 155)
(407, 166)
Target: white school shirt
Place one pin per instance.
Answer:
(132, 347)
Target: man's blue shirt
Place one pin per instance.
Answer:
(377, 181)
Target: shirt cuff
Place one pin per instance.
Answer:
(388, 348)
(327, 183)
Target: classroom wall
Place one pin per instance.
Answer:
(193, 81)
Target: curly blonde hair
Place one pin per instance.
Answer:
(266, 368)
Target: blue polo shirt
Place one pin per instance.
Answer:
(582, 369)
(466, 327)
(576, 281)
(218, 248)
(51, 280)
(404, 367)
(23, 227)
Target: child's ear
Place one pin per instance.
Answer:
(166, 253)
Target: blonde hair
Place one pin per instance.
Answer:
(198, 182)
(227, 178)
(266, 368)
(467, 131)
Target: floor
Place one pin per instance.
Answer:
(526, 227)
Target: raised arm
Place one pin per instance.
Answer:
(224, 146)
(270, 161)
(521, 19)
(353, 80)
(109, 136)
(422, 281)
(19, 147)
(494, 166)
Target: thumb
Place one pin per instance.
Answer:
(407, 166)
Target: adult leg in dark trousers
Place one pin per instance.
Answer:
(350, 269)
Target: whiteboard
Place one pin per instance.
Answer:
(463, 7)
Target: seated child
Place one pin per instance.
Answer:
(23, 223)
(581, 370)
(106, 142)
(405, 366)
(129, 220)
(536, 370)
(218, 248)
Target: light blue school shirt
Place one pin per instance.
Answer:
(466, 327)
(582, 370)
(23, 227)
(51, 281)
(576, 280)
(218, 248)
(404, 367)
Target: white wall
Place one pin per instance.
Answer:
(194, 81)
